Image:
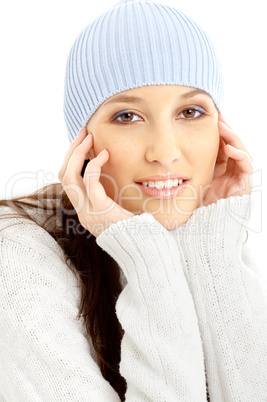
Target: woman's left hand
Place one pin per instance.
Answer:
(233, 169)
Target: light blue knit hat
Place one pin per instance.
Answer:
(136, 43)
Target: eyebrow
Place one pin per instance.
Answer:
(136, 99)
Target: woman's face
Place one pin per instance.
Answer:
(153, 132)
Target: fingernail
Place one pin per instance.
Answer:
(225, 125)
(100, 153)
(231, 147)
(81, 131)
(89, 136)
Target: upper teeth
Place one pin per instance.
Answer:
(162, 184)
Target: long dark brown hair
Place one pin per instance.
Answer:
(99, 274)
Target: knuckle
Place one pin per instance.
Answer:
(79, 148)
(59, 175)
(65, 179)
(250, 157)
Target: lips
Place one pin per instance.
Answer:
(163, 187)
(163, 178)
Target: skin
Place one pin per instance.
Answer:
(164, 137)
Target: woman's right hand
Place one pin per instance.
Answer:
(96, 211)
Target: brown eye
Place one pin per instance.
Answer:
(189, 113)
(192, 114)
(126, 117)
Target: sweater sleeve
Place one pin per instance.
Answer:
(230, 299)
(161, 350)
(44, 351)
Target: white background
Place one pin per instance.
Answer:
(35, 38)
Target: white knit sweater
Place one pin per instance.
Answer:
(192, 307)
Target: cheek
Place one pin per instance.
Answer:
(124, 158)
(204, 149)
(115, 142)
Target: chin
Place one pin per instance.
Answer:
(171, 222)
(169, 213)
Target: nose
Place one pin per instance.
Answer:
(163, 147)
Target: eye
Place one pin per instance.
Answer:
(192, 113)
(126, 117)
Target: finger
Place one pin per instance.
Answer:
(77, 141)
(221, 118)
(77, 158)
(242, 159)
(221, 161)
(231, 138)
(72, 180)
(95, 191)
(222, 156)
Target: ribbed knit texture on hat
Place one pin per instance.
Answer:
(137, 43)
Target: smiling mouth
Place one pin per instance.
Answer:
(162, 184)
(163, 189)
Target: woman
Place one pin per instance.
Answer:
(131, 279)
